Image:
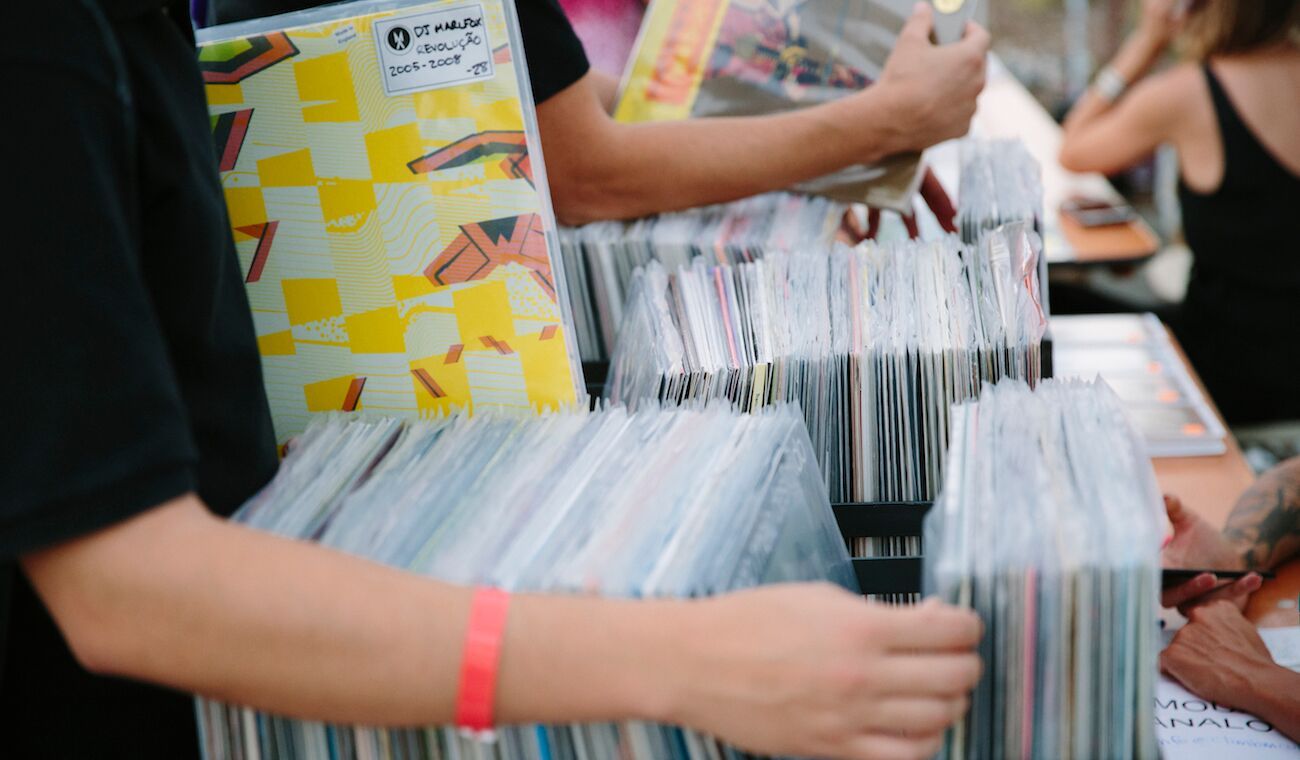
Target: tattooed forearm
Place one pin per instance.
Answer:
(1266, 520)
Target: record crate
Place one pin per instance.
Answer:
(877, 576)
(884, 576)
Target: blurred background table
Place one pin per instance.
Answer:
(1211, 485)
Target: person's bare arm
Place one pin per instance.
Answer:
(1121, 136)
(606, 88)
(1219, 656)
(1277, 699)
(1107, 137)
(1262, 532)
(179, 597)
(1265, 523)
(601, 169)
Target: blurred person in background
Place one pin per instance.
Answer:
(1232, 112)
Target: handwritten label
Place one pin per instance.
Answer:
(433, 49)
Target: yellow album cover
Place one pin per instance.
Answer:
(382, 170)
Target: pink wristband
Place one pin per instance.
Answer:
(479, 661)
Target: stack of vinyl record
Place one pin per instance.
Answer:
(1049, 526)
(874, 343)
(601, 257)
(1000, 183)
(642, 504)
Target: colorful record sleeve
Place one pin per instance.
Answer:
(698, 58)
(383, 174)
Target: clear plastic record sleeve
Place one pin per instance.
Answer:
(1049, 525)
(655, 503)
(604, 255)
(874, 344)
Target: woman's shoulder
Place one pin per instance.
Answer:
(1178, 82)
(1173, 96)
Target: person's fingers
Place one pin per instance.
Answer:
(851, 226)
(1168, 661)
(1173, 507)
(885, 747)
(1235, 594)
(1178, 515)
(909, 221)
(975, 39)
(917, 715)
(1238, 593)
(931, 626)
(947, 675)
(873, 222)
(937, 199)
(1185, 592)
(919, 24)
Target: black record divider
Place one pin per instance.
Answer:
(883, 575)
(594, 374)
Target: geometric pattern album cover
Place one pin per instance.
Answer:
(398, 250)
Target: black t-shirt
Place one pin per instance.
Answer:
(131, 374)
(554, 53)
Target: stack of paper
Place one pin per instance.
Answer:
(1049, 526)
(382, 168)
(1135, 356)
(873, 343)
(647, 504)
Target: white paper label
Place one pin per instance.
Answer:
(432, 49)
(345, 34)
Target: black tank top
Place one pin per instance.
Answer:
(1241, 319)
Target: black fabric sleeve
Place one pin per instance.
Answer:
(94, 428)
(554, 53)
